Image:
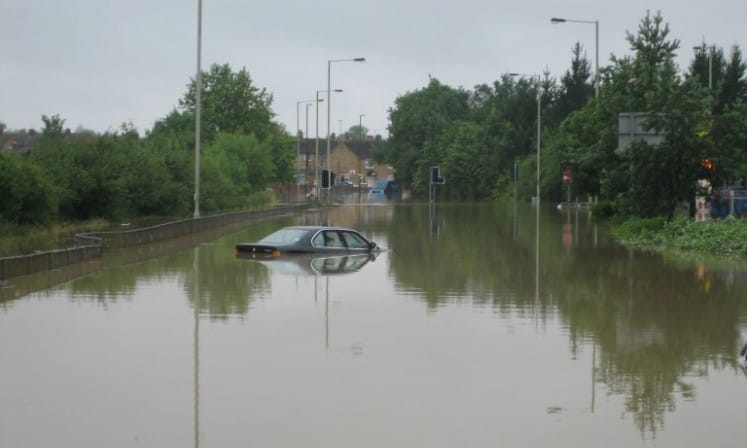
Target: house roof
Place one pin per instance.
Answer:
(361, 149)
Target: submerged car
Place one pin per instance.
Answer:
(308, 240)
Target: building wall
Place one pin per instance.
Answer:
(342, 160)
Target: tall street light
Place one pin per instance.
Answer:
(298, 138)
(316, 151)
(539, 116)
(710, 62)
(306, 156)
(329, 102)
(198, 105)
(596, 59)
(360, 125)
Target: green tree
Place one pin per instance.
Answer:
(234, 167)
(27, 194)
(232, 103)
(356, 132)
(463, 152)
(575, 85)
(54, 126)
(417, 121)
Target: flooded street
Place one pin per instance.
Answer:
(472, 329)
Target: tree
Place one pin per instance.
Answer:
(54, 126)
(417, 121)
(356, 132)
(234, 167)
(575, 86)
(27, 194)
(230, 102)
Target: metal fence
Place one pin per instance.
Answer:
(89, 246)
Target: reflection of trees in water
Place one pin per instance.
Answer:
(471, 256)
(655, 325)
(227, 285)
(654, 322)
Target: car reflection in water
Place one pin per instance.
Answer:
(311, 264)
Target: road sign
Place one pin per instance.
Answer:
(567, 178)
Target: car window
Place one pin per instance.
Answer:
(318, 240)
(332, 239)
(354, 241)
(284, 236)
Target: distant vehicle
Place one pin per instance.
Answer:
(313, 264)
(307, 240)
(386, 188)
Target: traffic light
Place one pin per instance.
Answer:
(436, 175)
(326, 177)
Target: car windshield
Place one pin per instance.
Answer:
(284, 236)
(381, 183)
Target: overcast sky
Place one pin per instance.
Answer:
(100, 63)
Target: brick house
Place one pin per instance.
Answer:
(347, 159)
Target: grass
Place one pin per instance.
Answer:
(724, 238)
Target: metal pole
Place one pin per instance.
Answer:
(306, 155)
(298, 149)
(329, 113)
(360, 125)
(316, 154)
(596, 61)
(198, 105)
(329, 106)
(539, 135)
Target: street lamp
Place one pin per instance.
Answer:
(596, 59)
(710, 63)
(298, 138)
(539, 116)
(198, 105)
(329, 100)
(360, 125)
(306, 156)
(316, 153)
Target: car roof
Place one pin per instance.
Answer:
(315, 228)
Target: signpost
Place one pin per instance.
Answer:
(435, 179)
(568, 180)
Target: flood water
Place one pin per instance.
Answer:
(472, 329)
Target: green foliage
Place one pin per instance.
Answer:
(27, 194)
(233, 167)
(54, 126)
(724, 237)
(231, 103)
(417, 121)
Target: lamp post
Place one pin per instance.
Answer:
(298, 139)
(306, 156)
(360, 125)
(329, 100)
(710, 63)
(596, 44)
(539, 134)
(198, 106)
(316, 151)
